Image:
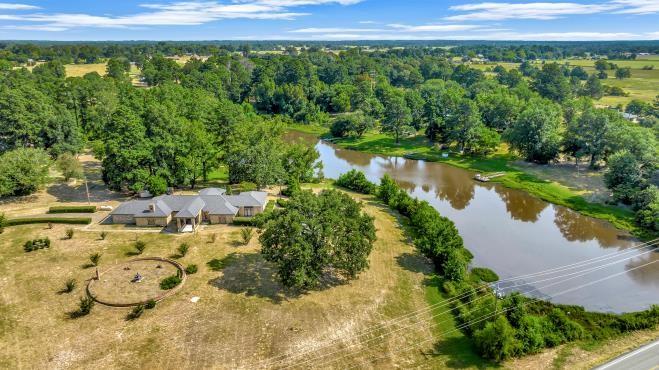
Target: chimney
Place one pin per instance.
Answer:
(152, 207)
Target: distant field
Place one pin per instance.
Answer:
(643, 85)
(79, 70)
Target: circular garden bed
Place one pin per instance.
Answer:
(135, 282)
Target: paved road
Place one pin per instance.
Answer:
(644, 358)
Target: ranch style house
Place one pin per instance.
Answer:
(184, 213)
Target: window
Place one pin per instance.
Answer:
(248, 212)
(151, 221)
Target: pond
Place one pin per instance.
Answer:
(515, 234)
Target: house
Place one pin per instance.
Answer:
(185, 213)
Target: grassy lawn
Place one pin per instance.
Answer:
(418, 147)
(79, 70)
(243, 317)
(642, 85)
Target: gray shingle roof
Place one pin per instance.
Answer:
(211, 200)
(212, 191)
(191, 208)
(248, 199)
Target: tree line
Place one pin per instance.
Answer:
(229, 110)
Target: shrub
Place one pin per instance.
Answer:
(84, 308)
(496, 340)
(191, 269)
(150, 304)
(356, 181)
(243, 221)
(170, 282)
(36, 244)
(3, 221)
(70, 167)
(246, 234)
(95, 258)
(136, 312)
(215, 264)
(270, 206)
(72, 209)
(69, 233)
(183, 249)
(104, 235)
(69, 285)
(282, 202)
(484, 274)
(387, 189)
(140, 246)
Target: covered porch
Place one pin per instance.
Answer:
(187, 224)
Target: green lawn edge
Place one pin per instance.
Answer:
(418, 147)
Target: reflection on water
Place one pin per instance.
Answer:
(512, 232)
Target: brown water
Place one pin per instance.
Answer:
(516, 234)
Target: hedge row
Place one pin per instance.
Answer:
(45, 220)
(72, 209)
(243, 221)
(434, 235)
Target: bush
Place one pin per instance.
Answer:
(36, 244)
(191, 269)
(246, 234)
(170, 282)
(356, 181)
(72, 209)
(3, 221)
(150, 304)
(140, 246)
(243, 221)
(84, 308)
(496, 340)
(95, 258)
(70, 167)
(270, 206)
(282, 202)
(69, 286)
(48, 220)
(183, 249)
(69, 233)
(484, 274)
(136, 312)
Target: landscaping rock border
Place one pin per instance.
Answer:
(159, 298)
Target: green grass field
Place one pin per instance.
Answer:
(643, 84)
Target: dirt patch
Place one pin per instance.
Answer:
(132, 282)
(580, 178)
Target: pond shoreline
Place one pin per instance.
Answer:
(515, 178)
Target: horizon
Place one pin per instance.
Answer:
(330, 20)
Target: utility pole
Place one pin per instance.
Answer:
(87, 190)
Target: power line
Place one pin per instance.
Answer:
(285, 357)
(523, 304)
(580, 273)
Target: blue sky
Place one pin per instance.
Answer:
(329, 20)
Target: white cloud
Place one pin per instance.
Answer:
(368, 22)
(638, 6)
(173, 14)
(335, 29)
(435, 27)
(542, 36)
(499, 11)
(11, 6)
